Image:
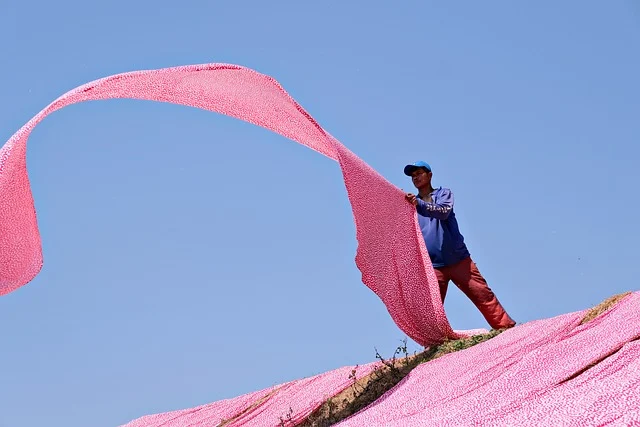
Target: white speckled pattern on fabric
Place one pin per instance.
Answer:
(292, 403)
(391, 252)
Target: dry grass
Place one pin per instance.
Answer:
(603, 307)
(248, 409)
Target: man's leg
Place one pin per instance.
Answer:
(467, 277)
(443, 275)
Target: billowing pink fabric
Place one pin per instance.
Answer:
(292, 403)
(537, 374)
(391, 253)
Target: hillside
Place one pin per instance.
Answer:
(577, 369)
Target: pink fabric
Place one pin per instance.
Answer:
(537, 374)
(210, 414)
(292, 402)
(531, 375)
(391, 252)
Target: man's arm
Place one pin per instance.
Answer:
(439, 210)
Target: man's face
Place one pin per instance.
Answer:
(421, 177)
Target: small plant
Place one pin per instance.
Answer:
(288, 419)
(353, 376)
(392, 365)
(403, 349)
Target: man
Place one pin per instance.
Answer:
(449, 255)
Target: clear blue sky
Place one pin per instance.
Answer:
(191, 257)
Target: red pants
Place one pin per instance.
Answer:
(466, 276)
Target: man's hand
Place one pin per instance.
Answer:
(411, 198)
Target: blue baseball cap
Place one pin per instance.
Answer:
(409, 169)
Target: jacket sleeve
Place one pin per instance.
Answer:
(439, 210)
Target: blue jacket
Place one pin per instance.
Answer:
(440, 230)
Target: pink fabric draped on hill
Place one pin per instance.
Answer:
(391, 253)
(552, 372)
(289, 404)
